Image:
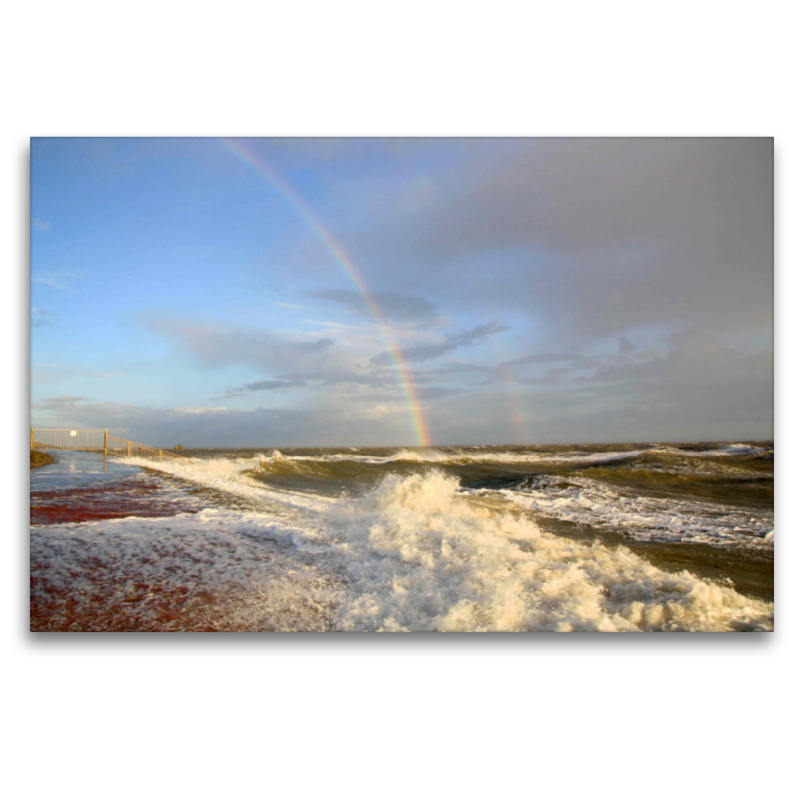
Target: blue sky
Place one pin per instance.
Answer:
(575, 290)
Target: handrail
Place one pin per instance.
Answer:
(97, 440)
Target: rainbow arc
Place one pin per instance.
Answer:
(350, 269)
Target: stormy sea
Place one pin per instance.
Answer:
(633, 537)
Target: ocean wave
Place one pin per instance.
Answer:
(421, 556)
(417, 553)
(460, 457)
(723, 450)
(591, 502)
(231, 476)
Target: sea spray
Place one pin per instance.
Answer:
(415, 549)
(422, 557)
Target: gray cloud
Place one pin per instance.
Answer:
(698, 366)
(546, 358)
(426, 352)
(438, 392)
(58, 403)
(341, 377)
(218, 344)
(697, 385)
(394, 307)
(40, 317)
(700, 385)
(592, 237)
(510, 371)
(320, 379)
(637, 274)
(58, 281)
(220, 427)
(553, 377)
(698, 390)
(625, 345)
(262, 386)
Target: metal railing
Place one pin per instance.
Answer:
(95, 441)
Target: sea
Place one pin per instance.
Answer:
(619, 537)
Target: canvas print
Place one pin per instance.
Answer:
(401, 384)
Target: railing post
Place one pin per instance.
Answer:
(58, 439)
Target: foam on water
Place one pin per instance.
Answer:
(724, 450)
(215, 570)
(431, 456)
(592, 502)
(413, 554)
(229, 476)
(420, 557)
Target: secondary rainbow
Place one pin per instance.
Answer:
(349, 268)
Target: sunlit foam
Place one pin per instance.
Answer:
(416, 553)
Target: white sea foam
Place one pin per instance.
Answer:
(229, 475)
(591, 502)
(421, 556)
(217, 569)
(724, 450)
(414, 554)
(433, 456)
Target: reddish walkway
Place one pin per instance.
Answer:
(109, 500)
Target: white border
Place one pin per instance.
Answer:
(201, 716)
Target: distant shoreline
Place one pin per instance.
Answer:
(40, 459)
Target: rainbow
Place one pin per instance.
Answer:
(349, 268)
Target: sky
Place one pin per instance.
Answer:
(403, 292)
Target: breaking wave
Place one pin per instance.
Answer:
(418, 554)
(592, 502)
